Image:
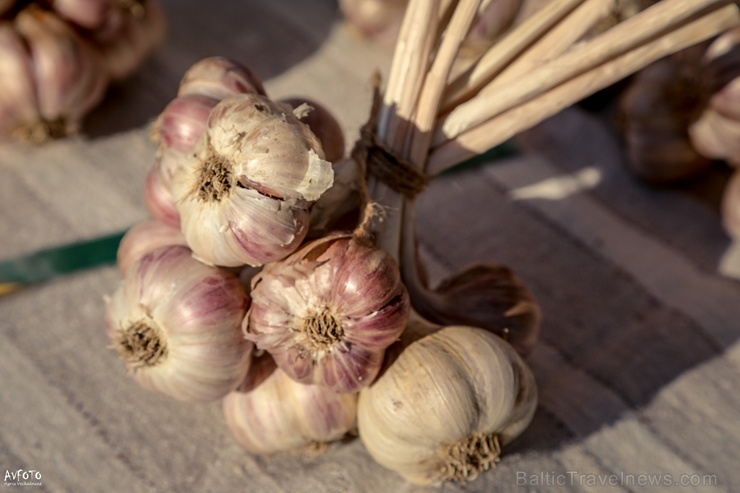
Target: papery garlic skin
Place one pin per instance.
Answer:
(176, 324)
(142, 238)
(490, 296)
(444, 407)
(157, 195)
(328, 312)
(245, 192)
(183, 122)
(218, 78)
(322, 123)
(278, 414)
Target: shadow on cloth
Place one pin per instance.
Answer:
(258, 34)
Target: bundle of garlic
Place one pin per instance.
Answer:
(340, 313)
(59, 57)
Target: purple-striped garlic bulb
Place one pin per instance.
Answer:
(51, 77)
(272, 413)
(142, 238)
(175, 322)
(245, 192)
(328, 312)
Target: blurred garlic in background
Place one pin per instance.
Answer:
(716, 134)
(58, 58)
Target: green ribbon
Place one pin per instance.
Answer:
(49, 263)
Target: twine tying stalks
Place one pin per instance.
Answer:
(373, 157)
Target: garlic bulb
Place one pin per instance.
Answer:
(245, 192)
(272, 413)
(218, 78)
(446, 405)
(142, 238)
(716, 134)
(328, 312)
(175, 322)
(138, 31)
(65, 76)
(379, 20)
(655, 112)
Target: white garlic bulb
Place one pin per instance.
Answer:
(272, 413)
(446, 405)
(175, 322)
(245, 192)
(328, 312)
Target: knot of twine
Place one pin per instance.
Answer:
(374, 158)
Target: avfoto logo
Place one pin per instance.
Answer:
(21, 477)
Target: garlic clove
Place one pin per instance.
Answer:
(18, 105)
(69, 77)
(218, 78)
(175, 322)
(183, 122)
(271, 413)
(322, 123)
(328, 312)
(88, 14)
(243, 227)
(717, 137)
(446, 405)
(145, 237)
(157, 195)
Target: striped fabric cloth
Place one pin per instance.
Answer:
(638, 364)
